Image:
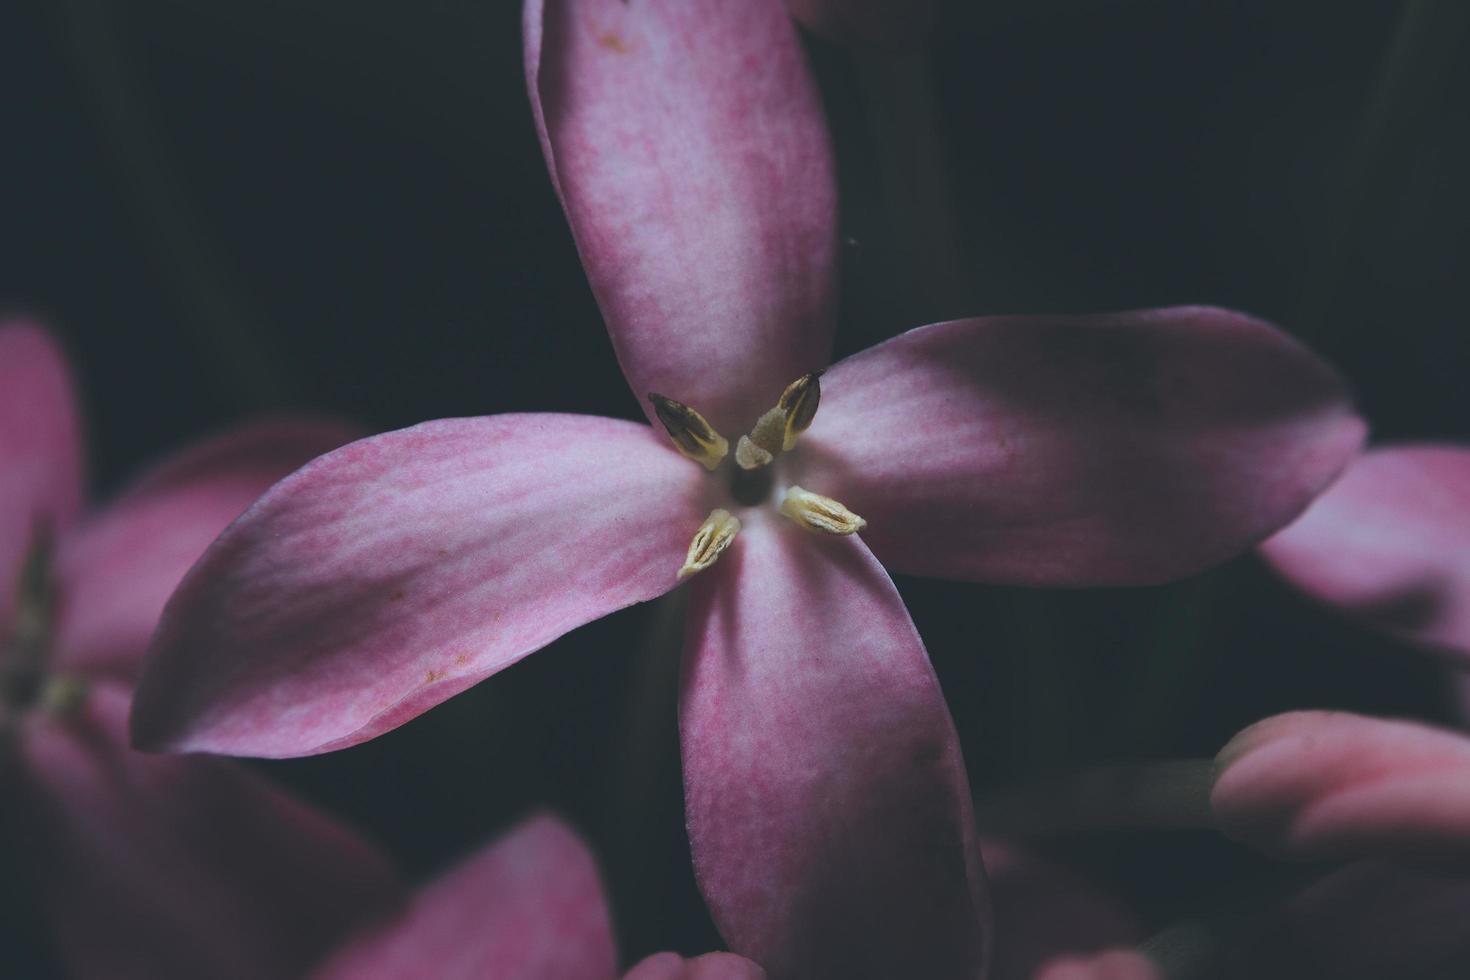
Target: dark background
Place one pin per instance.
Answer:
(341, 206)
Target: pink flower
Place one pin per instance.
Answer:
(1316, 785)
(1390, 543)
(1114, 964)
(828, 807)
(147, 867)
(529, 906)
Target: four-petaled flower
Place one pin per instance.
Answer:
(828, 806)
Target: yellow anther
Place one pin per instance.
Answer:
(710, 541)
(799, 405)
(818, 513)
(749, 456)
(692, 435)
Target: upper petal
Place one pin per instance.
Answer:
(1390, 542)
(40, 449)
(397, 571)
(1317, 785)
(159, 867)
(1130, 448)
(119, 567)
(828, 809)
(687, 142)
(529, 907)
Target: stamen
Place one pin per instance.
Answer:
(692, 435)
(799, 404)
(710, 541)
(749, 456)
(815, 512)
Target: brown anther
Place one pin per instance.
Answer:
(692, 435)
(799, 405)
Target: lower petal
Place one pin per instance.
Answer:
(182, 867)
(529, 906)
(828, 808)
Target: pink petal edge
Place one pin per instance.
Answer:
(687, 141)
(119, 567)
(710, 966)
(392, 574)
(528, 906)
(1390, 543)
(816, 737)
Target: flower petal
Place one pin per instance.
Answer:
(529, 906)
(828, 809)
(687, 142)
(1316, 785)
(1123, 449)
(1390, 542)
(710, 966)
(118, 568)
(1115, 964)
(182, 867)
(40, 449)
(395, 572)
(884, 24)
(1042, 910)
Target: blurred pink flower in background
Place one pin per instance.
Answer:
(1389, 544)
(146, 867)
(1319, 785)
(828, 805)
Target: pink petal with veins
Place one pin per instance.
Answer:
(711, 966)
(394, 573)
(1390, 542)
(828, 809)
(687, 141)
(1123, 449)
(882, 24)
(1043, 910)
(528, 907)
(1116, 964)
(1317, 785)
(118, 568)
(40, 449)
(181, 867)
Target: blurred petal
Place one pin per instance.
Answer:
(1123, 449)
(886, 24)
(528, 907)
(1043, 910)
(1317, 785)
(395, 572)
(1369, 921)
(40, 449)
(687, 142)
(1116, 964)
(1390, 542)
(182, 867)
(711, 966)
(119, 567)
(827, 804)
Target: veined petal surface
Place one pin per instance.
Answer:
(40, 450)
(687, 141)
(828, 808)
(392, 574)
(528, 907)
(1124, 449)
(167, 868)
(118, 568)
(1390, 543)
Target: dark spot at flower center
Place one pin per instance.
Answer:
(751, 487)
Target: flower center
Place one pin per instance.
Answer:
(753, 479)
